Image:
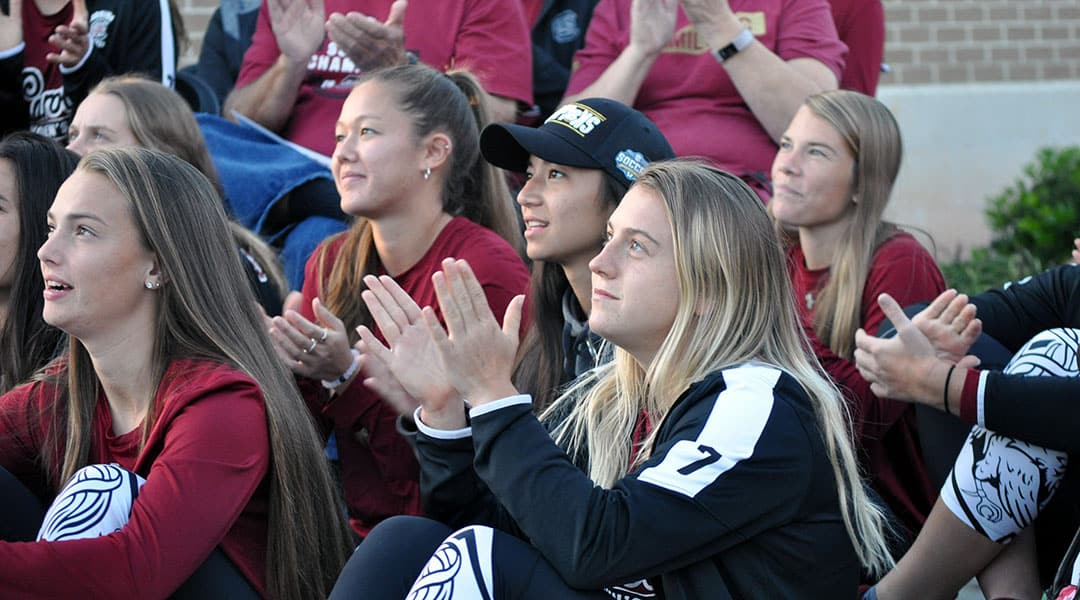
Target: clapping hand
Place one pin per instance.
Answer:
(316, 350)
(900, 367)
(652, 24)
(948, 322)
(407, 371)
(477, 353)
(298, 27)
(367, 42)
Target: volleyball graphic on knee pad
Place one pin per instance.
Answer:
(96, 501)
(436, 581)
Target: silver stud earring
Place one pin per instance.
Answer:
(149, 285)
(427, 173)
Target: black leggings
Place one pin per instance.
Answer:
(398, 549)
(216, 578)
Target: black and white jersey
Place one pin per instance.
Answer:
(738, 499)
(1040, 410)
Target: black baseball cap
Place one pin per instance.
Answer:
(593, 133)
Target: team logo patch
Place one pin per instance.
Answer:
(99, 27)
(564, 27)
(631, 163)
(578, 118)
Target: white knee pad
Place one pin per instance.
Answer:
(460, 569)
(96, 501)
(999, 484)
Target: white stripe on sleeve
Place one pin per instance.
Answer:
(734, 426)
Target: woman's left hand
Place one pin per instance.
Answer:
(316, 350)
(478, 354)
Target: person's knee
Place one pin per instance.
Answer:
(96, 501)
(390, 558)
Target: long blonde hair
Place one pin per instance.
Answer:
(453, 103)
(204, 314)
(873, 137)
(736, 307)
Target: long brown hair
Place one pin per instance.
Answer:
(873, 137)
(204, 314)
(27, 342)
(456, 105)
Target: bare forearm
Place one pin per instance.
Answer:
(622, 80)
(269, 100)
(772, 87)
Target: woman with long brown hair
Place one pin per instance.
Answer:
(407, 166)
(169, 429)
(832, 178)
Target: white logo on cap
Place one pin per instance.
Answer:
(631, 163)
(577, 117)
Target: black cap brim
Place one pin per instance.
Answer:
(509, 147)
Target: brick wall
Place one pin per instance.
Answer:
(929, 41)
(963, 41)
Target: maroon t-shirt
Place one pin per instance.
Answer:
(690, 96)
(481, 36)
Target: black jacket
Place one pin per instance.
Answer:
(738, 499)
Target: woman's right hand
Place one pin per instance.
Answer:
(652, 24)
(11, 30)
(409, 356)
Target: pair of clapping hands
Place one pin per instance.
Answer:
(913, 364)
(300, 25)
(421, 364)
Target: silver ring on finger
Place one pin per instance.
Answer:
(314, 343)
(324, 334)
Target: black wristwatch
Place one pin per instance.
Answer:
(737, 45)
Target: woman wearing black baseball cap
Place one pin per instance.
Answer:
(578, 165)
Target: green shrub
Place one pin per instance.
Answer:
(1040, 214)
(1034, 223)
(988, 268)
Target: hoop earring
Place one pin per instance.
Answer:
(427, 173)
